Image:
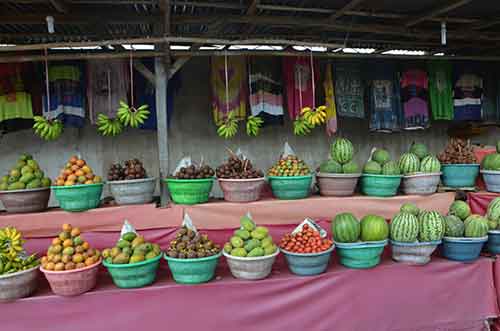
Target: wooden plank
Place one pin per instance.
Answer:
(77, 56)
(437, 11)
(350, 5)
(60, 5)
(139, 66)
(177, 65)
(162, 128)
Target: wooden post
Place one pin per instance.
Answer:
(161, 78)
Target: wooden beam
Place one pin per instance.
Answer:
(484, 25)
(437, 11)
(177, 65)
(145, 72)
(81, 56)
(81, 17)
(161, 70)
(60, 5)
(339, 13)
(252, 8)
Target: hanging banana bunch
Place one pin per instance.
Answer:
(254, 123)
(11, 243)
(47, 129)
(108, 126)
(130, 116)
(229, 128)
(314, 117)
(301, 127)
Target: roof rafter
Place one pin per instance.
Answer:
(341, 12)
(60, 5)
(437, 11)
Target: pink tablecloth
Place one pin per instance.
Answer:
(479, 201)
(442, 295)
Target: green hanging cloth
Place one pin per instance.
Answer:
(440, 89)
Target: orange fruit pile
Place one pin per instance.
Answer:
(76, 172)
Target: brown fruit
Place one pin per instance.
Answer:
(72, 178)
(78, 258)
(70, 266)
(56, 241)
(59, 266)
(56, 258)
(86, 245)
(79, 249)
(80, 163)
(66, 259)
(86, 169)
(90, 252)
(67, 172)
(44, 260)
(79, 173)
(75, 232)
(73, 159)
(68, 243)
(80, 265)
(50, 266)
(89, 261)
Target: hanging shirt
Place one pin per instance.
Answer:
(266, 89)
(331, 111)
(300, 90)
(489, 109)
(349, 89)
(468, 97)
(15, 100)
(441, 89)
(415, 95)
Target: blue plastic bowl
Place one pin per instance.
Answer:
(308, 264)
(459, 175)
(360, 255)
(463, 249)
(493, 245)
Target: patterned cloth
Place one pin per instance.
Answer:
(441, 89)
(468, 97)
(233, 99)
(349, 89)
(331, 111)
(415, 96)
(15, 100)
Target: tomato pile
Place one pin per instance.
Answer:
(307, 240)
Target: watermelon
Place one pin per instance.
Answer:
(487, 160)
(374, 228)
(409, 208)
(409, 163)
(421, 213)
(342, 150)
(391, 168)
(454, 227)
(331, 166)
(381, 156)
(372, 167)
(420, 150)
(431, 226)
(460, 208)
(350, 167)
(476, 227)
(404, 227)
(492, 225)
(430, 164)
(346, 228)
(493, 212)
(494, 162)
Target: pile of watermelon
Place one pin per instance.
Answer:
(341, 158)
(418, 160)
(413, 225)
(346, 228)
(492, 161)
(381, 164)
(460, 223)
(493, 214)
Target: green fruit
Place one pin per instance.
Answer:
(39, 174)
(267, 241)
(391, 168)
(243, 234)
(137, 258)
(77, 241)
(381, 156)
(141, 249)
(228, 247)
(346, 228)
(404, 227)
(33, 164)
(372, 167)
(68, 251)
(331, 166)
(430, 164)
(15, 173)
(432, 226)
(156, 249)
(271, 249)
(129, 236)
(236, 242)
(240, 252)
(486, 163)
(27, 177)
(137, 241)
(409, 208)
(251, 244)
(351, 167)
(26, 169)
(151, 255)
(4, 186)
(492, 225)
(263, 230)
(247, 223)
(420, 150)
(409, 164)
(25, 157)
(460, 208)
(374, 228)
(46, 182)
(121, 259)
(16, 186)
(127, 250)
(19, 165)
(122, 243)
(476, 226)
(258, 234)
(5, 179)
(257, 251)
(342, 150)
(454, 227)
(34, 183)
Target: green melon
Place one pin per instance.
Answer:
(492, 225)
(381, 156)
(409, 208)
(487, 160)
(409, 164)
(346, 228)
(342, 150)
(476, 227)
(493, 212)
(351, 167)
(404, 227)
(420, 150)
(372, 167)
(430, 164)
(454, 227)
(460, 208)
(432, 226)
(331, 166)
(391, 168)
(494, 163)
(374, 228)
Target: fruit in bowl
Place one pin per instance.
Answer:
(25, 174)
(289, 166)
(76, 172)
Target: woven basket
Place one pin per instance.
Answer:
(241, 190)
(72, 282)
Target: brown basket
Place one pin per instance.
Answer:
(25, 201)
(337, 185)
(72, 282)
(19, 284)
(241, 190)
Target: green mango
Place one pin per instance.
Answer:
(151, 255)
(129, 236)
(239, 252)
(271, 249)
(156, 249)
(17, 186)
(46, 182)
(236, 242)
(142, 249)
(26, 169)
(121, 259)
(251, 244)
(247, 223)
(25, 157)
(122, 243)
(15, 173)
(267, 241)
(228, 247)
(77, 241)
(262, 230)
(35, 183)
(136, 258)
(127, 250)
(4, 186)
(243, 234)
(257, 251)
(19, 165)
(39, 174)
(27, 177)
(5, 179)
(258, 234)
(33, 164)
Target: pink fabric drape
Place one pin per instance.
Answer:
(479, 201)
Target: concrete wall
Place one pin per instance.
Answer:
(193, 132)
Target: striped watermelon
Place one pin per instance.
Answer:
(420, 150)
(476, 226)
(460, 209)
(350, 167)
(374, 228)
(487, 161)
(346, 228)
(381, 156)
(391, 168)
(372, 167)
(409, 163)
(342, 150)
(492, 224)
(404, 227)
(430, 164)
(409, 208)
(493, 212)
(431, 226)
(454, 226)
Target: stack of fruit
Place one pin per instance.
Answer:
(493, 216)
(26, 174)
(492, 161)
(458, 151)
(12, 256)
(129, 184)
(289, 166)
(307, 240)
(194, 172)
(341, 159)
(131, 169)
(381, 175)
(290, 178)
(381, 164)
(421, 170)
(238, 168)
(189, 244)
(490, 169)
(76, 172)
(130, 249)
(460, 168)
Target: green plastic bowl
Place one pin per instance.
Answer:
(380, 185)
(78, 197)
(134, 275)
(361, 255)
(193, 271)
(290, 188)
(189, 191)
(459, 175)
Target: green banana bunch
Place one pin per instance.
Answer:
(8, 265)
(11, 243)
(47, 129)
(229, 128)
(130, 116)
(253, 125)
(108, 126)
(301, 127)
